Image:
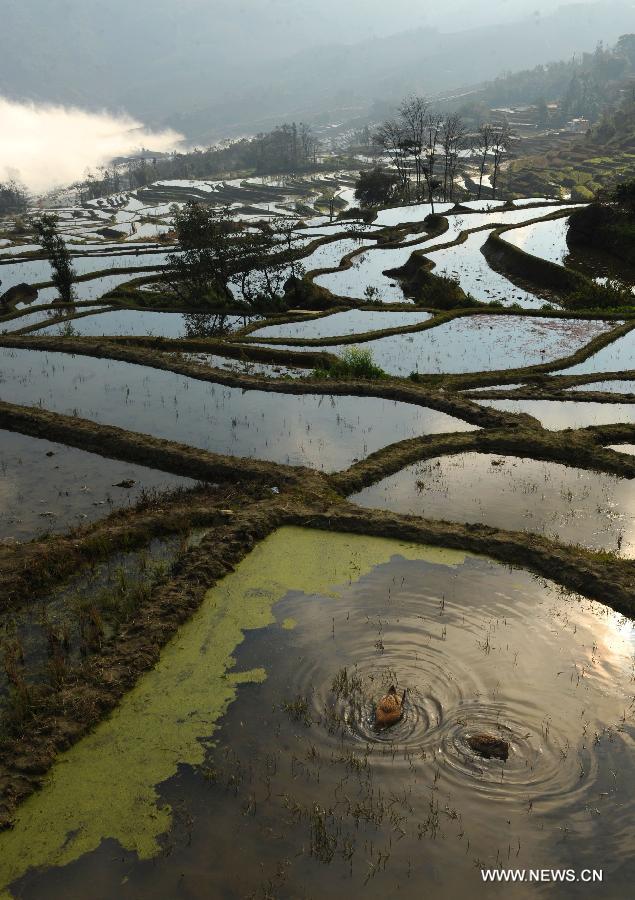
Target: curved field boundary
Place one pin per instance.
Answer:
(400, 390)
(77, 705)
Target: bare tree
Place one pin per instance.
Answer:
(433, 125)
(390, 138)
(413, 118)
(308, 143)
(453, 134)
(500, 147)
(482, 146)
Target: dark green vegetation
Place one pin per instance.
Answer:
(584, 86)
(47, 232)
(608, 223)
(13, 198)
(376, 188)
(354, 362)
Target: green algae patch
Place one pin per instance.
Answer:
(106, 786)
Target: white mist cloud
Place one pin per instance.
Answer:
(46, 146)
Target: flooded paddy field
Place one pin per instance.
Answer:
(481, 343)
(401, 215)
(367, 268)
(199, 712)
(547, 240)
(246, 366)
(329, 256)
(39, 317)
(612, 387)
(466, 263)
(623, 448)
(563, 503)
(366, 271)
(48, 487)
(91, 288)
(152, 324)
(618, 356)
(253, 736)
(38, 271)
(352, 321)
(558, 414)
(317, 430)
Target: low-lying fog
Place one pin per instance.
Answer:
(44, 146)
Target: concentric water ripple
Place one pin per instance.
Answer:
(542, 766)
(467, 669)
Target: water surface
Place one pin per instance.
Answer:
(559, 414)
(320, 431)
(46, 486)
(570, 505)
(277, 768)
(480, 343)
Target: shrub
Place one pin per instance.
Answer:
(354, 362)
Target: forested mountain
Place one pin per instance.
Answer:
(585, 84)
(214, 68)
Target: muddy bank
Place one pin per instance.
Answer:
(600, 576)
(28, 568)
(130, 446)
(580, 448)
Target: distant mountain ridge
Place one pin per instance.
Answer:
(177, 64)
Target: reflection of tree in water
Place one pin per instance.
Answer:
(210, 324)
(62, 309)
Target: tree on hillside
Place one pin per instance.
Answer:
(267, 261)
(392, 141)
(625, 48)
(63, 274)
(453, 133)
(375, 187)
(482, 147)
(13, 198)
(501, 140)
(433, 127)
(215, 255)
(199, 273)
(413, 120)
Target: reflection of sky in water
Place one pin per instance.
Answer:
(329, 256)
(75, 486)
(92, 289)
(352, 321)
(548, 240)
(158, 324)
(36, 271)
(320, 431)
(402, 214)
(480, 343)
(368, 267)
(612, 387)
(558, 414)
(466, 638)
(566, 504)
(466, 263)
(615, 357)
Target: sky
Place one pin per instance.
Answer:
(195, 55)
